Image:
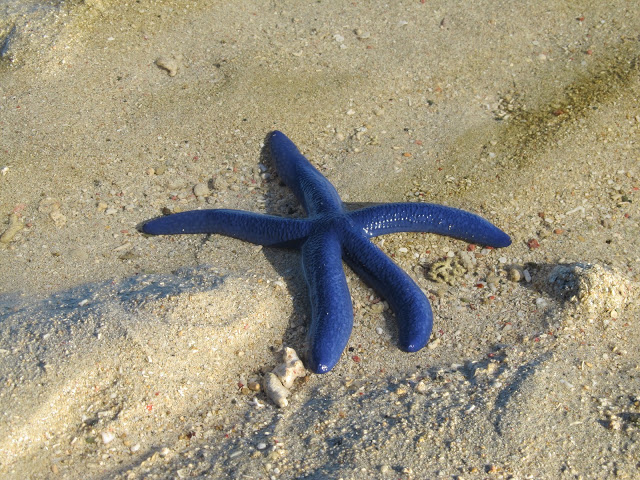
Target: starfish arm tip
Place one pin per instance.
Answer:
(414, 347)
(320, 367)
(501, 240)
(155, 227)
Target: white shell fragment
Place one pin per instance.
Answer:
(108, 437)
(278, 382)
(290, 369)
(276, 392)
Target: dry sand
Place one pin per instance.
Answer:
(128, 357)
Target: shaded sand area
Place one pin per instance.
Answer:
(124, 356)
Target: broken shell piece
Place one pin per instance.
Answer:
(291, 369)
(168, 64)
(276, 392)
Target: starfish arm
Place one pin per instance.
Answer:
(311, 188)
(431, 218)
(406, 299)
(256, 228)
(331, 307)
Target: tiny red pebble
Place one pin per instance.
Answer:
(492, 297)
(580, 19)
(479, 285)
(356, 358)
(149, 407)
(418, 142)
(406, 154)
(589, 52)
(558, 231)
(541, 214)
(533, 243)
(471, 247)
(537, 339)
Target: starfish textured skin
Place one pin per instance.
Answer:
(331, 234)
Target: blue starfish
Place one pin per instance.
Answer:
(330, 234)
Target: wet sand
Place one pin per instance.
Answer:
(125, 356)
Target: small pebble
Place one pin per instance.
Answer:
(254, 386)
(261, 446)
(533, 244)
(515, 275)
(421, 387)
(377, 307)
(201, 190)
(615, 423)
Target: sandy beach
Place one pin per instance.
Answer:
(136, 357)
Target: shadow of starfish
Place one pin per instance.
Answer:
(330, 234)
